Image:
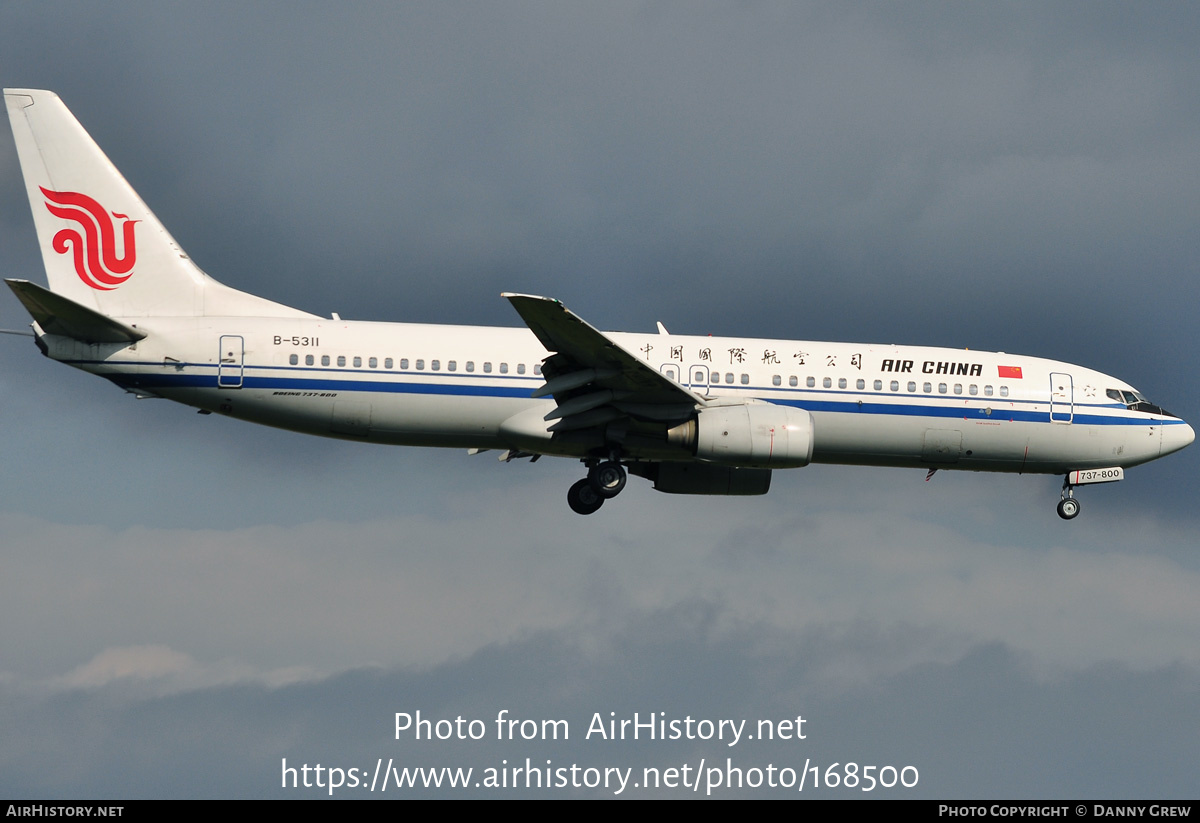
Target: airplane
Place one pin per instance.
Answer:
(692, 414)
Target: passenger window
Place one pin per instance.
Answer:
(504, 368)
(341, 360)
(487, 367)
(928, 387)
(745, 379)
(452, 365)
(404, 362)
(373, 362)
(958, 388)
(895, 385)
(420, 364)
(324, 360)
(974, 390)
(308, 360)
(810, 382)
(776, 380)
(716, 377)
(470, 365)
(520, 368)
(861, 384)
(793, 381)
(912, 386)
(728, 377)
(942, 388)
(827, 383)
(436, 365)
(878, 385)
(294, 360)
(698, 377)
(387, 363)
(841, 382)
(537, 369)
(987, 390)
(1004, 391)
(358, 362)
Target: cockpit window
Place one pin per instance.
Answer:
(1136, 401)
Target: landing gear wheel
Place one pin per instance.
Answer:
(1068, 508)
(583, 499)
(607, 478)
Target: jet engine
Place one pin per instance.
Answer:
(756, 435)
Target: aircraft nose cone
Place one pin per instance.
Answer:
(1175, 438)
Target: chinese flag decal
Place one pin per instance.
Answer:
(1013, 372)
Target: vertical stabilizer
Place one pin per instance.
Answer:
(102, 247)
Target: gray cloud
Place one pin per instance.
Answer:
(979, 720)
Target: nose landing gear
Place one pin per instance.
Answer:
(604, 480)
(1068, 506)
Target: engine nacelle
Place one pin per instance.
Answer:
(756, 435)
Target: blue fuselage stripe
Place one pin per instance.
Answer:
(526, 385)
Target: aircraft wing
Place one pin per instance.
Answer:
(593, 378)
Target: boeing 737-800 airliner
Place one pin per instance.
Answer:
(694, 415)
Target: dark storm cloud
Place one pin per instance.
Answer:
(808, 155)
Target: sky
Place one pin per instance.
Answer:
(189, 605)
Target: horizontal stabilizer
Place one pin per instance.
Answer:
(58, 315)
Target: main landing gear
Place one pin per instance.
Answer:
(604, 480)
(1068, 506)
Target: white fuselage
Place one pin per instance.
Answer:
(470, 387)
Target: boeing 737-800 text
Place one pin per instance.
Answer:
(695, 415)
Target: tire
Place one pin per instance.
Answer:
(608, 478)
(1068, 508)
(583, 499)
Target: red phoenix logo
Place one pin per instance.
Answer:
(95, 250)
